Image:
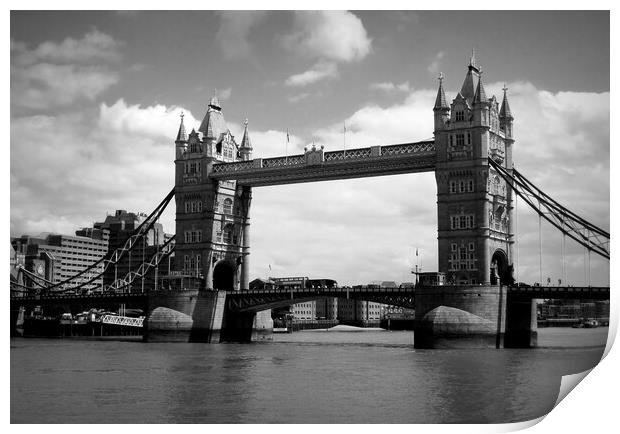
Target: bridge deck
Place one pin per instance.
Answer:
(317, 165)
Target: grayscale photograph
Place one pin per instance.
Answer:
(306, 217)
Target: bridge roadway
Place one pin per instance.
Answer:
(317, 165)
(260, 299)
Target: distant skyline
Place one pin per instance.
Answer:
(96, 98)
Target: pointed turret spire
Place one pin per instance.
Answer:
(440, 101)
(215, 102)
(182, 135)
(213, 124)
(472, 60)
(480, 95)
(505, 112)
(469, 85)
(245, 150)
(245, 142)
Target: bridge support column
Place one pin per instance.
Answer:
(460, 317)
(185, 316)
(245, 250)
(247, 326)
(521, 323)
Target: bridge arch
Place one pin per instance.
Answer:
(224, 275)
(501, 271)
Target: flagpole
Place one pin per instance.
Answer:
(344, 139)
(286, 148)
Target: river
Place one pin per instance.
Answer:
(305, 377)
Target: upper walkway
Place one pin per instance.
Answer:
(318, 165)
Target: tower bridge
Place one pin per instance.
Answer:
(471, 155)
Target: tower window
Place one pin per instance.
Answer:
(228, 205)
(228, 234)
(459, 116)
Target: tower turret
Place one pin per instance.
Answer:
(505, 116)
(481, 104)
(245, 150)
(471, 78)
(441, 108)
(181, 140)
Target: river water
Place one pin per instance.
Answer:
(304, 377)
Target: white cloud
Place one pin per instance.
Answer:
(390, 87)
(433, 68)
(331, 37)
(95, 45)
(298, 97)
(121, 159)
(235, 27)
(335, 35)
(320, 71)
(56, 74)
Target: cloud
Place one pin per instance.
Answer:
(122, 158)
(433, 68)
(299, 97)
(334, 35)
(320, 71)
(331, 37)
(94, 46)
(57, 74)
(390, 87)
(235, 27)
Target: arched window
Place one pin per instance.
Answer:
(228, 205)
(228, 234)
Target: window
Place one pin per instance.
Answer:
(194, 147)
(471, 246)
(452, 186)
(462, 221)
(460, 140)
(228, 234)
(194, 236)
(228, 203)
(453, 247)
(460, 116)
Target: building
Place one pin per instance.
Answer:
(57, 257)
(327, 308)
(119, 227)
(358, 312)
(474, 205)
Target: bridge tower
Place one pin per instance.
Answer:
(474, 204)
(212, 218)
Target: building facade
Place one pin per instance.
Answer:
(57, 257)
(474, 204)
(119, 227)
(212, 218)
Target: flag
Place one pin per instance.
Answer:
(345, 126)
(287, 137)
(269, 267)
(416, 252)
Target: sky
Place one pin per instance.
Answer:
(96, 98)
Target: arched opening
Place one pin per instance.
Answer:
(224, 276)
(501, 271)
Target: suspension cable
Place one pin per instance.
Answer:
(585, 233)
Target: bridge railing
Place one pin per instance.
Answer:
(425, 148)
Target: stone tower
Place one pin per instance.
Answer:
(212, 223)
(474, 204)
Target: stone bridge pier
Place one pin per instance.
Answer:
(202, 316)
(476, 316)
